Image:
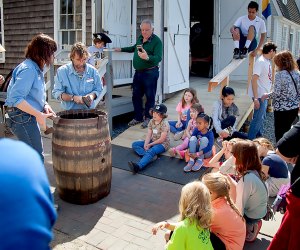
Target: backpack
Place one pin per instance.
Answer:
(279, 204)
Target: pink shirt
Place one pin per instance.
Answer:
(228, 225)
(182, 111)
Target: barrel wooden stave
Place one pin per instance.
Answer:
(82, 158)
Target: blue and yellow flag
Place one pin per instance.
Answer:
(266, 8)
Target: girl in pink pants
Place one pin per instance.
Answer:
(195, 109)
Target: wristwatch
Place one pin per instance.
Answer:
(72, 98)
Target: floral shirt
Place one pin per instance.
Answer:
(285, 95)
(157, 129)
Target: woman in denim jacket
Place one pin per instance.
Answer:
(26, 97)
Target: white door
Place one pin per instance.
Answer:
(225, 14)
(176, 45)
(117, 21)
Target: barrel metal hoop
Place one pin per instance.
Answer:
(81, 148)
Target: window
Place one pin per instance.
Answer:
(2, 54)
(70, 22)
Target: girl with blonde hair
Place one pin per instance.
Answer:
(192, 232)
(227, 222)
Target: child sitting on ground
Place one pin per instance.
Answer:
(273, 166)
(224, 115)
(228, 229)
(223, 161)
(195, 215)
(157, 139)
(177, 127)
(201, 143)
(249, 193)
(195, 109)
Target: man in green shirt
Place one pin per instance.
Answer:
(147, 55)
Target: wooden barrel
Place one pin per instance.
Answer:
(81, 151)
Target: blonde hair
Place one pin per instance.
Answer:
(264, 142)
(195, 204)
(218, 183)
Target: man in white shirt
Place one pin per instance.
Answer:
(245, 30)
(261, 82)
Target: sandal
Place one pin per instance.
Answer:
(180, 153)
(172, 152)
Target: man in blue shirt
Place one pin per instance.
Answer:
(26, 205)
(77, 84)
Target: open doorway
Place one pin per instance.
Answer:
(201, 31)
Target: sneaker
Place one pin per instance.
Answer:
(243, 53)
(145, 123)
(133, 122)
(229, 130)
(178, 135)
(236, 53)
(198, 164)
(134, 168)
(188, 167)
(172, 152)
(180, 153)
(252, 231)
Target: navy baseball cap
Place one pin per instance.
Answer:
(160, 108)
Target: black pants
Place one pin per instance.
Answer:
(283, 121)
(216, 242)
(229, 122)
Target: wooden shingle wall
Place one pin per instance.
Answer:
(22, 20)
(145, 10)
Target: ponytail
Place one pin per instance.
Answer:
(207, 118)
(232, 205)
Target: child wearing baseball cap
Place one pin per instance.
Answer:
(157, 140)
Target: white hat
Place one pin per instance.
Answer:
(1, 48)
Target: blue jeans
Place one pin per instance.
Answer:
(172, 124)
(256, 125)
(147, 156)
(144, 83)
(26, 128)
(195, 147)
(174, 130)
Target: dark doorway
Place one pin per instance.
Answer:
(201, 31)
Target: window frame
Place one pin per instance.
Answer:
(58, 31)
